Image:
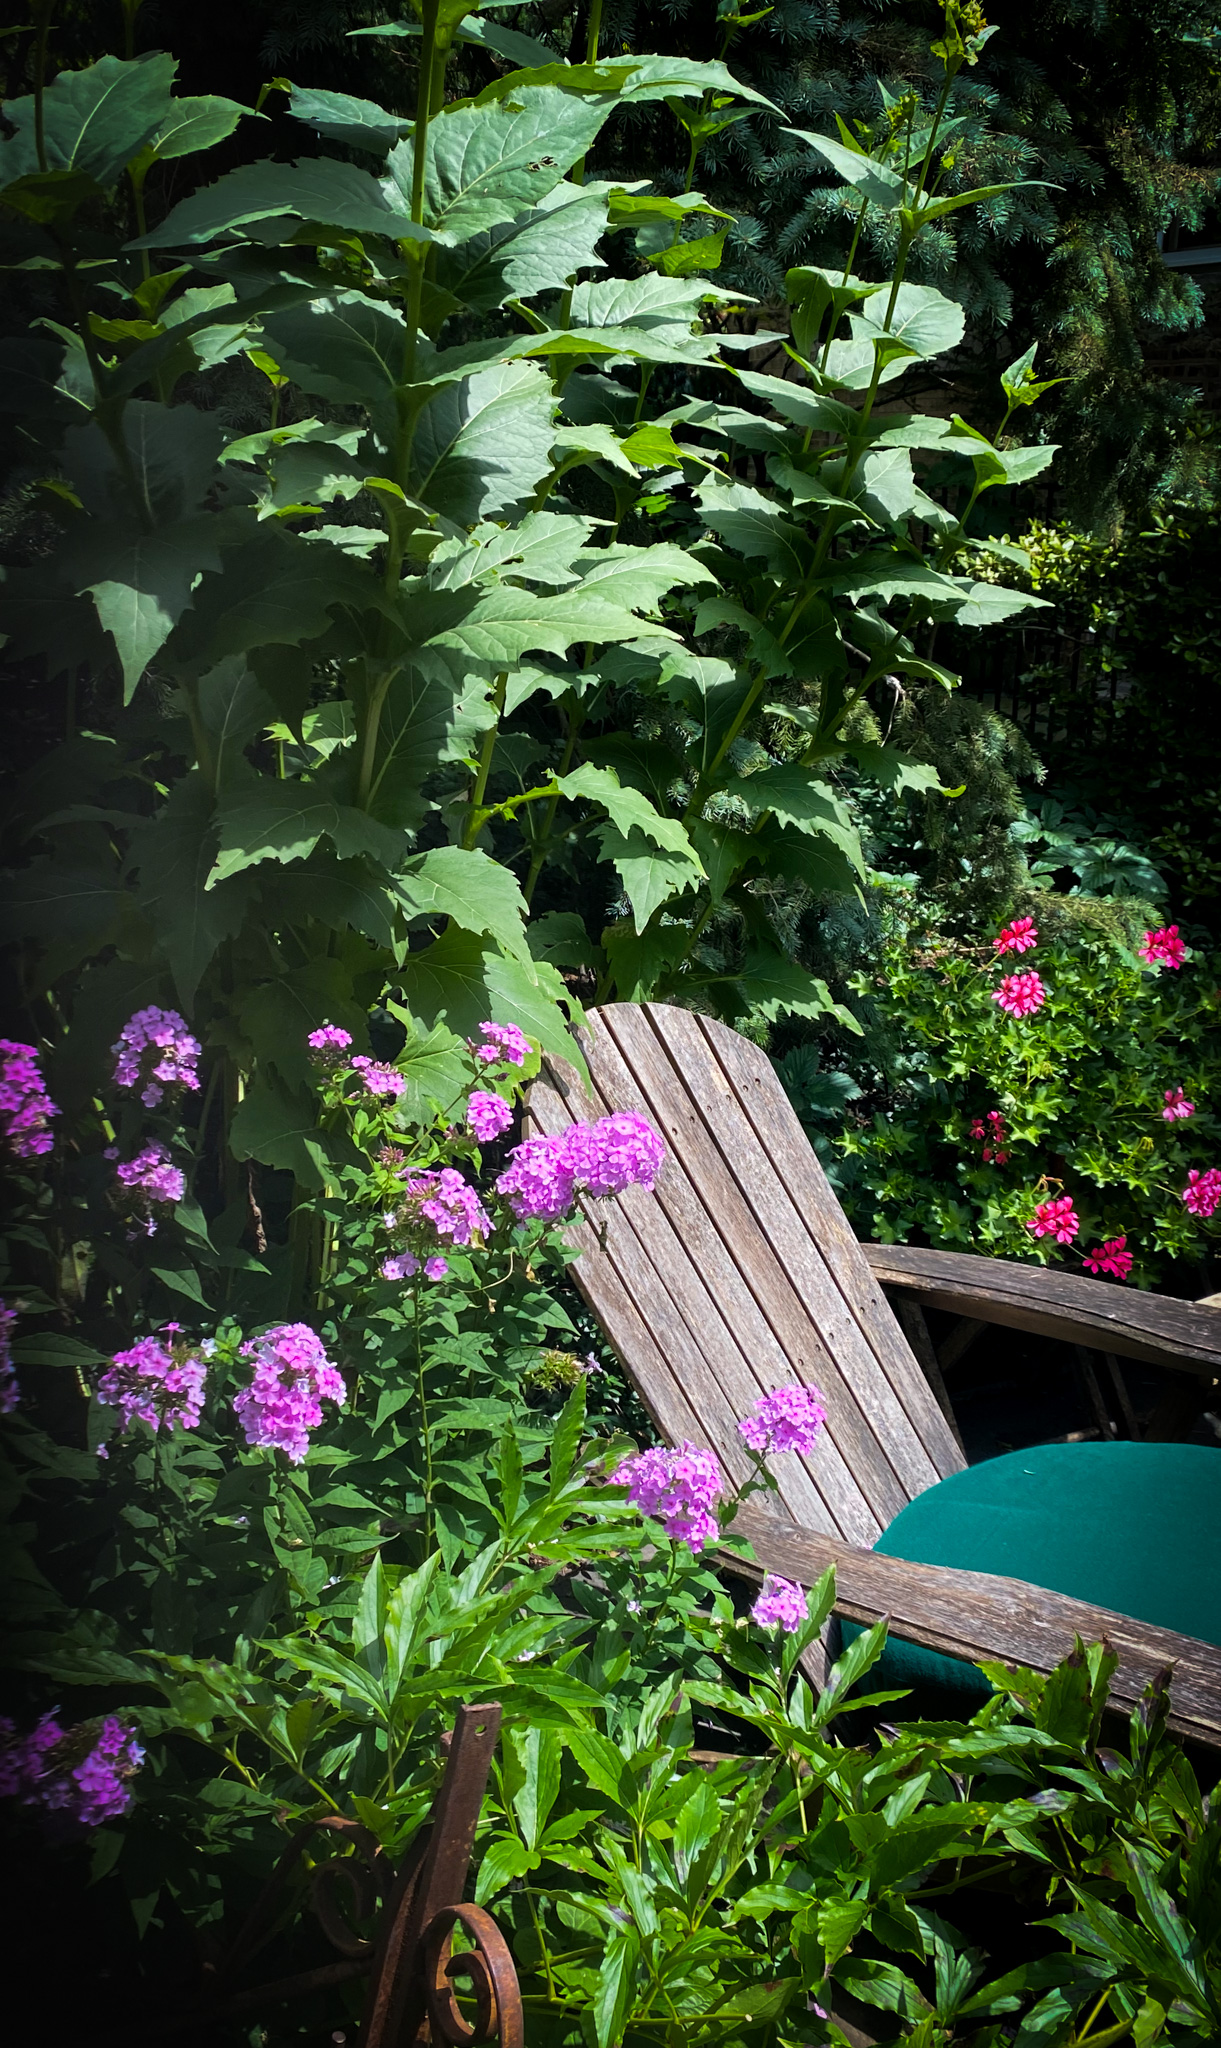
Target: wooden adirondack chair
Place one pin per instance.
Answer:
(740, 1273)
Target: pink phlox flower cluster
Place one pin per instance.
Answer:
(1056, 1219)
(155, 1053)
(1177, 1105)
(379, 1077)
(488, 1115)
(545, 1175)
(402, 1265)
(25, 1106)
(501, 1045)
(617, 1152)
(329, 1044)
(781, 1604)
(292, 1377)
(677, 1488)
(991, 1128)
(1020, 995)
(1202, 1195)
(155, 1382)
(10, 1392)
(1111, 1257)
(450, 1204)
(1019, 937)
(787, 1420)
(153, 1180)
(1163, 948)
(79, 1774)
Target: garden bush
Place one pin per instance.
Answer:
(1071, 1060)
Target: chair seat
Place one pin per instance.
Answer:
(1135, 1528)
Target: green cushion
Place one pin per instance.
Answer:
(1132, 1527)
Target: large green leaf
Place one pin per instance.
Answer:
(651, 874)
(923, 321)
(273, 589)
(279, 1127)
(284, 821)
(171, 452)
(483, 446)
(463, 980)
(796, 798)
(196, 123)
(360, 124)
(639, 577)
(644, 302)
(537, 252)
(488, 164)
(433, 713)
(508, 623)
(348, 348)
(752, 523)
(330, 892)
(462, 883)
(317, 188)
(436, 1067)
(141, 582)
(986, 604)
(798, 403)
(773, 985)
(544, 547)
(94, 120)
(277, 1015)
(628, 809)
(874, 181)
(173, 856)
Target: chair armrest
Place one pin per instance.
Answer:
(1155, 1327)
(978, 1616)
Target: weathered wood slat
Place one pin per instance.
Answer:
(850, 1466)
(978, 1617)
(1068, 1306)
(772, 1242)
(829, 1236)
(663, 1250)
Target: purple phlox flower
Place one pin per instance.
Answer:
(157, 1383)
(292, 1377)
(329, 1044)
(400, 1266)
(545, 1175)
(677, 1488)
(447, 1201)
(787, 1420)
(25, 1106)
(10, 1392)
(501, 1045)
(153, 1182)
(379, 1077)
(538, 1182)
(488, 1115)
(781, 1604)
(80, 1775)
(155, 1053)
(435, 1269)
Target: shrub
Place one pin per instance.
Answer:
(1088, 1047)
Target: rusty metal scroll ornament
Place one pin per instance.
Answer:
(491, 1979)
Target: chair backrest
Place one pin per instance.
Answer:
(740, 1272)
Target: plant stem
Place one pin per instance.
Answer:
(425, 1432)
(475, 820)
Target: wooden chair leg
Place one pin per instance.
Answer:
(1123, 1396)
(911, 1315)
(1102, 1414)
